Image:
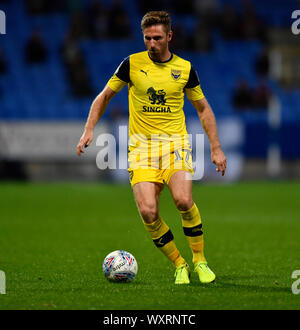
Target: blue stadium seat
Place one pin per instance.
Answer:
(43, 91)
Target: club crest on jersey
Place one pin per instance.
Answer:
(176, 74)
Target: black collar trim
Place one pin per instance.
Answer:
(161, 61)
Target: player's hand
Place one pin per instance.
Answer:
(218, 158)
(85, 140)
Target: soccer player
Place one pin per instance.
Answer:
(157, 81)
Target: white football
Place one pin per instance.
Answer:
(120, 266)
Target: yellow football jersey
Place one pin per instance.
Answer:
(156, 93)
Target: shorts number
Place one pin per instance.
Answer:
(187, 156)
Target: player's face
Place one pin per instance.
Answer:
(156, 40)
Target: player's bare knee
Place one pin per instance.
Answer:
(149, 213)
(184, 203)
(149, 216)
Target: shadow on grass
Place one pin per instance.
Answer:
(247, 283)
(234, 282)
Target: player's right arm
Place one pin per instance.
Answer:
(119, 80)
(97, 110)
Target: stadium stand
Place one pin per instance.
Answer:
(42, 91)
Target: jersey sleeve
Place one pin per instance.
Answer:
(121, 77)
(192, 88)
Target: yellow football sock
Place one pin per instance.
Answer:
(192, 227)
(164, 240)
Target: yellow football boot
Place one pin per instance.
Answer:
(206, 275)
(182, 274)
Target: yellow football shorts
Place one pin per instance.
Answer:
(143, 168)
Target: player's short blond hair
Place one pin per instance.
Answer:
(156, 17)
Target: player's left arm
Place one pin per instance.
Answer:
(195, 95)
(208, 122)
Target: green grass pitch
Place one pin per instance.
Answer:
(54, 237)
